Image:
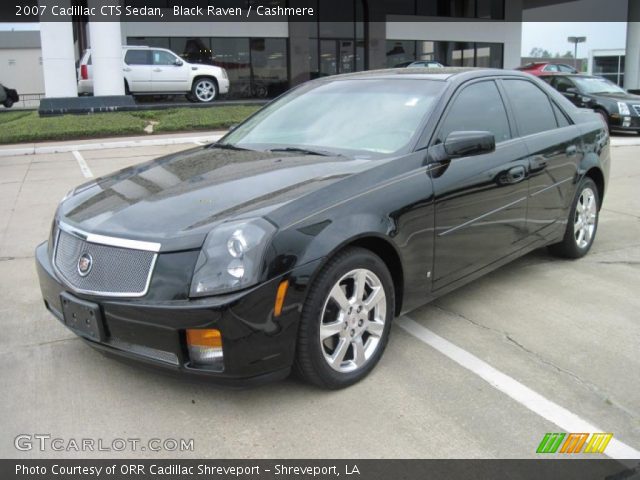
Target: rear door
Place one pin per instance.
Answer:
(137, 69)
(481, 200)
(554, 152)
(169, 72)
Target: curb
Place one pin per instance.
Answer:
(151, 142)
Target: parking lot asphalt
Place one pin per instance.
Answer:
(567, 330)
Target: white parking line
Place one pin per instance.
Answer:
(84, 168)
(522, 394)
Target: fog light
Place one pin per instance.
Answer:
(626, 121)
(205, 348)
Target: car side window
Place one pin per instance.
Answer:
(562, 119)
(137, 57)
(160, 57)
(478, 107)
(551, 68)
(531, 107)
(562, 84)
(566, 69)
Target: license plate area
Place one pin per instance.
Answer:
(83, 317)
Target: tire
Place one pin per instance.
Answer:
(354, 341)
(583, 217)
(204, 90)
(8, 103)
(126, 88)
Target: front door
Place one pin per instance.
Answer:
(169, 72)
(481, 200)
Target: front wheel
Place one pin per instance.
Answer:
(204, 90)
(8, 103)
(345, 320)
(582, 223)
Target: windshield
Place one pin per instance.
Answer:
(342, 116)
(597, 85)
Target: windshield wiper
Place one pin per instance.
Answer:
(225, 146)
(307, 151)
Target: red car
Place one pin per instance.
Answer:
(540, 68)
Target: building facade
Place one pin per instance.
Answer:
(21, 62)
(263, 59)
(608, 63)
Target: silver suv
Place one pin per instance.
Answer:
(158, 71)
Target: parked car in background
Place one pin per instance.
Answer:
(426, 64)
(294, 241)
(540, 68)
(8, 96)
(158, 71)
(619, 109)
(419, 63)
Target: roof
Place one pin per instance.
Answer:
(19, 39)
(423, 73)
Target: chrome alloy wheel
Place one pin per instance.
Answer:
(584, 222)
(205, 90)
(353, 320)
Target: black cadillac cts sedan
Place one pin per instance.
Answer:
(294, 241)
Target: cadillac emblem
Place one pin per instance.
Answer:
(85, 262)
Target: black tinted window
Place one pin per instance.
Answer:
(562, 84)
(478, 107)
(137, 57)
(531, 107)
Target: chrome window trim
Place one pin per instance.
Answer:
(86, 236)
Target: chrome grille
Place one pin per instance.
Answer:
(115, 271)
(636, 108)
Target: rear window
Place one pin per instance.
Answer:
(137, 57)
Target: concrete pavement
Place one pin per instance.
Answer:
(568, 330)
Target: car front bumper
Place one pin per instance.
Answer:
(257, 346)
(626, 123)
(223, 85)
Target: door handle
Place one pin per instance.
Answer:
(126, 69)
(157, 69)
(571, 150)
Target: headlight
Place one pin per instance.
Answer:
(623, 108)
(231, 257)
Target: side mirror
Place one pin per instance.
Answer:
(463, 144)
(178, 63)
(571, 91)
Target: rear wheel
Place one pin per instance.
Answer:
(346, 320)
(582, 223)
(204, 90)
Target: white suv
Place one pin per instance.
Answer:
(158, 71)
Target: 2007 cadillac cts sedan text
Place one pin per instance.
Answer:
(294, 241)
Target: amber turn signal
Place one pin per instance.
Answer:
(282, 292)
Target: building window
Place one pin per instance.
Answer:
(401, 53)
(257, 67)
(488, 9)
(610, 67)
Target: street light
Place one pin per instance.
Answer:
(576, 41)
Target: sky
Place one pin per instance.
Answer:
(552, 36)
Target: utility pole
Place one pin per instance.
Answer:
(576, 41)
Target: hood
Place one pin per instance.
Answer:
(622, 97)
(177, 199)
